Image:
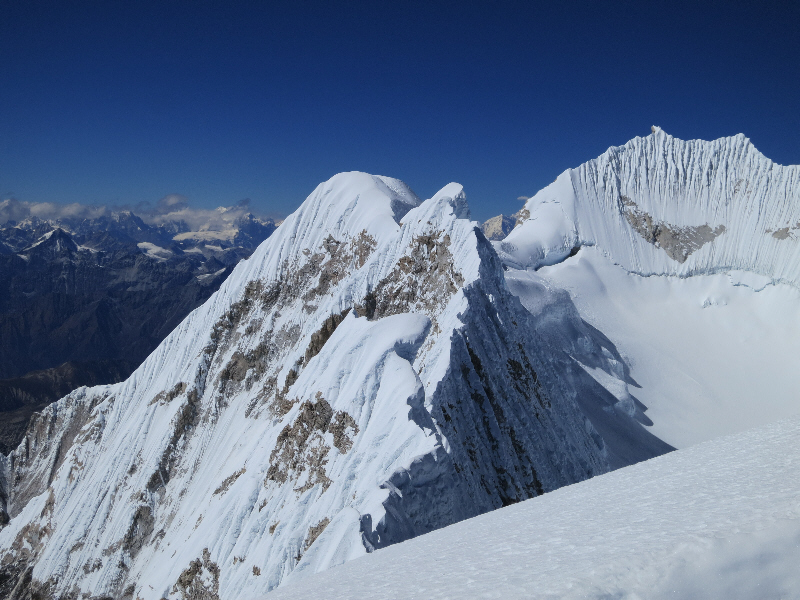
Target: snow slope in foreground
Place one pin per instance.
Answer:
(717, 520)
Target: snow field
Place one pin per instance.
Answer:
(710, 353)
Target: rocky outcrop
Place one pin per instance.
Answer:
(677, 242)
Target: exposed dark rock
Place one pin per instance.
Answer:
(785, 233)
(140, 531)
(223, 487)
(301, 446)
(343, 427)
(423, 280)
(183, 425)
(167, 397)
(781, 234)
(315, 532)
(523, 215)
(677, 242)
(324, 333)
(200, 581)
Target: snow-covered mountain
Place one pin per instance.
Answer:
(378, 370)
(720, 520)
(363, 378)
(685, 255)
(663, 206)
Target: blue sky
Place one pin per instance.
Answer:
(121, 103)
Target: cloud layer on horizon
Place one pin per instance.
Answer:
(173, 207)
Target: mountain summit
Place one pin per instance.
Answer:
(363, 378)
(664, 206)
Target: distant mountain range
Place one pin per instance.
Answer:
(84, 301)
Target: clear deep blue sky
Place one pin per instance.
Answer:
(123, 102)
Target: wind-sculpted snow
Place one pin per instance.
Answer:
(363, 378)
(664, 206)
(707, 340)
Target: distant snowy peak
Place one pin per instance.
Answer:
(661, 205)
(498, 227)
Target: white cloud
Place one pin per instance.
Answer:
(176, 208)
(169, 208)
(17, 210)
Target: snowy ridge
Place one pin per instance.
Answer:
(707, 340)
(718, 520)
(363, 378)
(663, 206)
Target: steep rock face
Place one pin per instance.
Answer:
(659, 205)
(363, 378)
